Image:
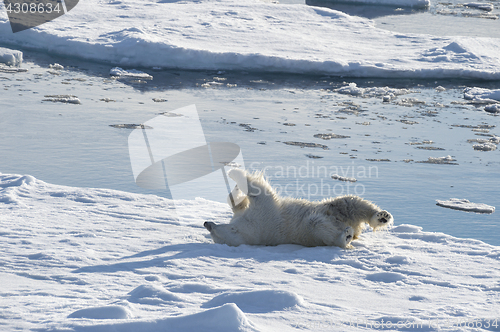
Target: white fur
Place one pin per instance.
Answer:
(264, 218)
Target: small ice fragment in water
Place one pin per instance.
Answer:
(70, 99)
(488, 7)
(131, 73)
(485, 147)
(131, 126)
(56, 66)
(465, 205)
(495, 108)
(480, 94)
(11, 57)
(330, 136)
(342, 178)
(308, 145)
(447, 160)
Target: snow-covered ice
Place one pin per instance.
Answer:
(488, 7)
(465, 205)
(82, 259)
(449, 160)
(69, 99)
(493, 108)
(481, 94)
(399, 3)
(354, 90)
(485, 147)
(10, 57)
(343, 178)
(252, 35)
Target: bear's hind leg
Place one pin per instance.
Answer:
(331, 235)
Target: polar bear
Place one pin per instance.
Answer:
(262, 217)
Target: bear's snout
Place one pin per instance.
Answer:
(209, 225)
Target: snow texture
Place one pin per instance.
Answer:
(10, 57)
(465, 205)
(83, 259)
(253, 36)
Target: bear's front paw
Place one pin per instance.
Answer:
(381, 220)
(384, 217)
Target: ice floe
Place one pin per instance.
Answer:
(254, 36)
(485, 147)
(480, 94)
(398, 3)
(488, 7)
(386, 92)
(68, 99)
(130, 73)
(343, 178)
(10, 57)
(493, 108)
(447, 160)
(465, 205)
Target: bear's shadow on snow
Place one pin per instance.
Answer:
(160, 257)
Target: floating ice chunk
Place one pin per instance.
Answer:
(495, 140)
(485, 147)
(492, 140)
(448, 160)
(106, 312)
(494, 108)
(69, 99)
(488, 7)
(397, 3)
(390, 93)
(465, 205)
(56, 66)
(342, 178)
(131, 126)
(11, 57)
(481, 94)
(131, 73)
